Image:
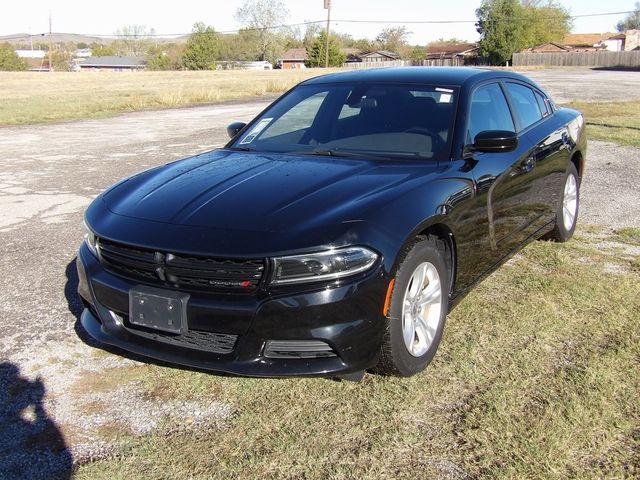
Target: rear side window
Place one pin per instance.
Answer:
(542, 103)
(525, 104)
(489, 111)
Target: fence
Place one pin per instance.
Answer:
(457, 61)
(390, 63)
(578, 59)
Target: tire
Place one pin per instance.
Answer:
(567, 211)
(416, 317)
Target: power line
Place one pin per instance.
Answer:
(300, 24)
(470, 21)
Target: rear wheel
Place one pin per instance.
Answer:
(417, 312)
(567, 213)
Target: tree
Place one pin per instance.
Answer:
(135, 40)
(543, 22)
(9, 59)
(317, 53)
(508, 26)
(62, 61)
(394, 39)
(242, 46)
(203, 48)
(310, 34)
(264, 16)
(631, 21)
(418, 53)
(167, 57)
(500, 29)
(100, 50)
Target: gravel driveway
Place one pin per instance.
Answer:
(49, 175)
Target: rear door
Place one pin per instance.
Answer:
(552, 146)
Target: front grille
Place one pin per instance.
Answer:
(199, 340)
(181, 271)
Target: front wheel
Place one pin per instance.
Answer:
(417, 312)
(567, 212)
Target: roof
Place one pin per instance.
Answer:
(383, 53)
(574, 39)
(449, 48)
(299, 54)
(451, 76)
(351, 51)
(113, 61)
(545, 47)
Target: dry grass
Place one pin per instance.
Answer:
(30, 97)
(617, 122)
(537, 377)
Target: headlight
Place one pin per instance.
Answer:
(90, 239)
(327, 265)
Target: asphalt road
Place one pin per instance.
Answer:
(51, 172)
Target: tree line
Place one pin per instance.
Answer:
(505, 27)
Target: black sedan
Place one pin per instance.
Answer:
(335, 231)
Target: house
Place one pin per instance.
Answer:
(293, 58)
(82, 53)
(352, 54)
(624, 42)
(297, 57)
(451, 54)
(114, 63)
(549, 47)
(30, 53)
(586, 42)
(591, 42)
(379, 56)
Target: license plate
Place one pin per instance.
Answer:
(158, 309)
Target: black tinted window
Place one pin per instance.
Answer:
(376, 119)
(489, 111)
(525, 104)
(542, 103)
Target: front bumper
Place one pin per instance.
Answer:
(347, 317)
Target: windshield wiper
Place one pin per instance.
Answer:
(335, 153)
(242, 149)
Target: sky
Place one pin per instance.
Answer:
(104, 18)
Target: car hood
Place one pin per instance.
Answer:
(262, 192)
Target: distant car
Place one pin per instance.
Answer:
(335, 231)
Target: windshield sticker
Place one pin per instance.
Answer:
(446, 90)
(255, 131)
(445, 98)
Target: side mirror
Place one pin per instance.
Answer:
(234, 128)
(495, 141)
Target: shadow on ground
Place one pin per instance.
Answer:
(31, 443)
(618, 68)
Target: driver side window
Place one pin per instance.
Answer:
(489, 111)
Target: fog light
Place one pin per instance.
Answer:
(298, 349)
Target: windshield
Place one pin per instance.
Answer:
(386, 120)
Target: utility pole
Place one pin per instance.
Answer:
(50, 47)
(327, 6)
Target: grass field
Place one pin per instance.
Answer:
(617, 122)
(537, 377)
(28, 97)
